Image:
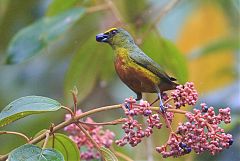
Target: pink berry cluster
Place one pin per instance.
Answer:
(102, 138)
(134, 132)
(185, 94)
(175, 147)
(200, 133)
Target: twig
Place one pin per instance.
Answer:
(68, 122)
(154, 101)
(176, 111)
(15, 133)
(46, 139)
(114, 122)
(80, 116)
(97, 8)
(209, 127)
(88, 136)
(123, 156)
(162, 13)
(53, 140)
(68, 109)
(168, 100)
(169, 110)
(166, 121)
(75, 99)
(114, 11)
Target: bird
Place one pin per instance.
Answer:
(137, 70)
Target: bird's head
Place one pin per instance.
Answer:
(116, 37)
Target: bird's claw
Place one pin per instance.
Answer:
(162, 108)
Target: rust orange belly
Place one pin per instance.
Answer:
(135, 76)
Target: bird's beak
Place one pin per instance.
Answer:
(102, 37)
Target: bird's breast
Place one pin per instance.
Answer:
(135, 76)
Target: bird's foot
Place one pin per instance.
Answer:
(162, 108)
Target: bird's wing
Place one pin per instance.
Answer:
(142, 59)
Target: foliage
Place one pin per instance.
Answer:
(63, 144)
(50, 47)
(34, 153)
(201, 132)
(40, 35)
(34, 38)
(27, 106)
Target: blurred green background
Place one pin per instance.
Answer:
(48, 46)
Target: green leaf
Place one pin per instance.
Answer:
(165, 53)
(63, 144)
(83, 70)
(31, 152)
(108, 155)
(34, 38)
(25, 106)
(211, 48)
(58, 6)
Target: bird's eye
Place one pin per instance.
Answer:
(114, 32)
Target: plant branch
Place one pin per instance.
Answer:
(177, 111)
(46, 139)
(114, 122)
(97, 8)
(162, 13)
(68, 122)
(68, 109)
(80, 116)
(169, 110)
(114, 11)
(123, 156)
(75, 99)
(88, 136)
(209, 127)
(168, 100)
(166, 121)
(15, 133)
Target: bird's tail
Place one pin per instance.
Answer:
(173, 79)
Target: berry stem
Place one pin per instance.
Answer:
(68, 122)
(170, 110)
(88, 136)
(46, 139)
(68, 109)
(123, 156)
(209, 127)
(166, 121)
(114, 122)
(168, 100)
(75, 99)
